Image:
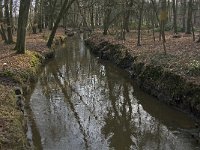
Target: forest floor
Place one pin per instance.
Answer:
(182, 58)
(17, 71)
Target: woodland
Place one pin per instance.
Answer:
(164, 32)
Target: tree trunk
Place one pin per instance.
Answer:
(40, 16)
(82, 13)
(51, 16)
(184, 13)
(106, 24)
(92, 16)
(193, 34)
(157, 17)
(127, 15)
(35, 19)
(153, 26)
(1, 16)
(1, 10)
(163, 19)
(3, 34)
(11, 16)
(22, 25)
(63, 10)
(106, 17)
(9, 28)
(140, 23)
(189, 17)
(174, 16)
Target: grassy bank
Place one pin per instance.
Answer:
(21, 70)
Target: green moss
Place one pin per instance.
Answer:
(12, 135)
(7, 73)
(30, 73)
(35, 58)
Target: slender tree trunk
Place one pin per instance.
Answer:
(163, 19)
(1, 9)
(9, 27)
(22, 25)
(189, 17)
(140, 24)
(153, 26)
(40, 16)
(3, 34)
(123, 32)
(127, 15)
(51, 12)
(193, 34)
(65, 7)
(97, 16)
(157, 18)
(184, 13)
(82, 13)
(106, 17)
(35, 19)
(174, 16)
(169, 9)
(92, 16)
(11, 16)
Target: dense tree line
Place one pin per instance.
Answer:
(112, 16)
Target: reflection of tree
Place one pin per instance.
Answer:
(118, 120)
(127, 125)
(46, 90)
(128, 128)
(68, 99)
(52, 95)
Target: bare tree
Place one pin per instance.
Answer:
(65, 7)
(8, 21)
(189, 17)
(141, 6)
(163, 18)
(22, 24)
(174, 16)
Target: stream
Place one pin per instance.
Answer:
(81, 102)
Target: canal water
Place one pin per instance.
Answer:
(81, 102)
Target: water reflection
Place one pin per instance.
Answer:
(82, 103)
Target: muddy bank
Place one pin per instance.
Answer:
(174, 89)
